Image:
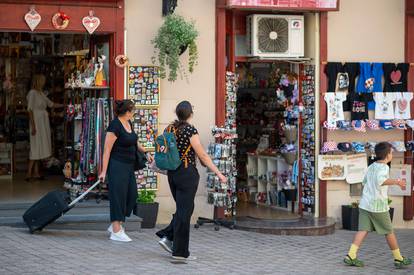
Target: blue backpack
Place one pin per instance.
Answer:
(167, 156)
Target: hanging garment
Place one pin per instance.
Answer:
(395, 77)
(334, 103)
(402, 105)
(370, 80)
(384, 107)
(341, 77)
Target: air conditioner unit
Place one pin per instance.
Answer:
(275, 36)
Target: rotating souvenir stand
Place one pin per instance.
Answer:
(77, 124)
(144, 90)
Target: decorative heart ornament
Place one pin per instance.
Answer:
(32, 19)
(395, 77)
(91, 23)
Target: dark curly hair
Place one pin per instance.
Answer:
(123, 106)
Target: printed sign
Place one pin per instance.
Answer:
(357, 166)
(402, 171)
(332, 167)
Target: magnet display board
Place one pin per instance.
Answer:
(144, 85)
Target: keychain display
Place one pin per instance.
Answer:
(144, 85)
(145, 125)
(308, 140)
(223, 153)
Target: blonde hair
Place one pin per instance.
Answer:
(38, 82)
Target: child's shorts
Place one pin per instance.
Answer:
(379, 222)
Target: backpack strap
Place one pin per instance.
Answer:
(184, 157)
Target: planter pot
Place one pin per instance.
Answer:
(290, 157)
(350, 217)
(148, 212)
(183, 48)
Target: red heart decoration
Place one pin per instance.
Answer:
(32, 19)
(395, 77)
(91, 23)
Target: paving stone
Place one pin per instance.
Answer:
(222, 252)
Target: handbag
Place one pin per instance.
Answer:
(140, 159)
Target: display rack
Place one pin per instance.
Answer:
(144, 89)
(223, 153)
(84, 137)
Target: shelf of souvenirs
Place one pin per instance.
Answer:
(88, 88)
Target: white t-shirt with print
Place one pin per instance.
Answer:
(384, 105)
(375, 194)
(334, 104)
(402, 105)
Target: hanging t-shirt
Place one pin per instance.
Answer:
(402, 105)
(395, 77)
(384, 105)
(358, 105)
(370, 80)
(341, 77)
(334, 103)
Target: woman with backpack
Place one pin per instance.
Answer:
(184, 182)
(121, 143)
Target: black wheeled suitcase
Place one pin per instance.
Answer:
(49, 208)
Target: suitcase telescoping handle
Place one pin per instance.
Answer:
(75, 201)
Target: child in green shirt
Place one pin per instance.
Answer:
(374, 210)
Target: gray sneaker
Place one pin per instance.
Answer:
(166, 244)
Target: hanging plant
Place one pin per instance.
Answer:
(172, 40)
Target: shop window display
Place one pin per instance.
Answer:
(70, 70)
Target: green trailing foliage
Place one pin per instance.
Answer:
(174, 37)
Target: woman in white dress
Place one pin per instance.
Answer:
(40, 137)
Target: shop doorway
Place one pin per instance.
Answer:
(275, 122)
(66, 61)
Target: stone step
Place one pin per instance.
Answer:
(84, 216)
(305, 226)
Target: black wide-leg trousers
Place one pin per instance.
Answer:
(183, 184)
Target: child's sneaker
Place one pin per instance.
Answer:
(353, 262)
(401, 264)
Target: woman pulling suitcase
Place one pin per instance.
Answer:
(118, 164)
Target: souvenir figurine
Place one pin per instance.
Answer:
(100, 78)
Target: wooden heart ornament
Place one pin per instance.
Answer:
(32, 19)
(91, 23)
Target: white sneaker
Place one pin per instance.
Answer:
(111, 230)
(189, 258)
(120, 236)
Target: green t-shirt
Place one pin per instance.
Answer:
(375, 194)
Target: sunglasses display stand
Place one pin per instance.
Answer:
(144, 91)
(223, 153)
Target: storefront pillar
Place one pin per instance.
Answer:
(323, 52)
(408, 212)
